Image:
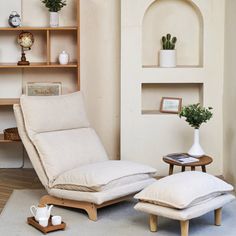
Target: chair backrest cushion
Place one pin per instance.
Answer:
(54, 113)
(59, 129)
(65, 150)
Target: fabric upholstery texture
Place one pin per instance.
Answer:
(102, 196)
(187, 213)
(58, 138)
(61, 151)
(30, 148)
(44, 114)
(99, 175)
(184, 189)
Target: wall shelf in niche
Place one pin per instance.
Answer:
(153, 92)
(158, 21)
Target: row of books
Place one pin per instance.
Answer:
(181, 158)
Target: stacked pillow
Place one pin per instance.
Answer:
(184, 190)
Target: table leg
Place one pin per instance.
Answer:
(183, 168)
(171, 169)
(204, 168)
(192, 168)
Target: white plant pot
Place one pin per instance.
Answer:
(54, 19)
(196, 150)
(167, 58)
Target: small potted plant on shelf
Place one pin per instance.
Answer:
(195, 115)
(54, 7)
(168, 52)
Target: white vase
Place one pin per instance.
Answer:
(64, 58)
(167, 58)
(196, 150)
(54, 19)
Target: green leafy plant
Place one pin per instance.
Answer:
(195, 114)
(168, 43)
(54, 5)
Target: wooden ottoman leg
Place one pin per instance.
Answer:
(184, 227)
(153, 223)
(218, 213)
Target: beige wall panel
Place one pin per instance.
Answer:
(164, 17)
(100, 68)
(230, 94)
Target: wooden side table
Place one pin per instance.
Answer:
(203, 162)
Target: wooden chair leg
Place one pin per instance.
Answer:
(184, 227)
(90, 208)
(218, 214)
(92, 212)
(153, 223)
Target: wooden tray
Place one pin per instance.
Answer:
(49, 228)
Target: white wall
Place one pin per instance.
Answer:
(230, 94)
(148, 137)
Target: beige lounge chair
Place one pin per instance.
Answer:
(69, 158)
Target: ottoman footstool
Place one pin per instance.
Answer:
(184, 196)
(184, 215)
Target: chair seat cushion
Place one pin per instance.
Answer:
(188, 213)
(102, 196)
(184, 189)
(103, 175)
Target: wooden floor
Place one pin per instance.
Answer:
(11, 179)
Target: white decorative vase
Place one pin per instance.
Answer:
(54, 19)
(167, 58)
(196, 150)
(64, 58)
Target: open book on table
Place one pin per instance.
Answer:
(181, 158)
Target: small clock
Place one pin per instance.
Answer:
(14, 19)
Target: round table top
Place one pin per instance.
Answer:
(204, 160)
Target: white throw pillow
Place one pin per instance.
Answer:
(53, 113)
(184, 189)
(103, 175)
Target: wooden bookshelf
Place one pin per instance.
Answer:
(2, 140)
(47, 33)
(65, 28)
(9, 101)
(38, 65)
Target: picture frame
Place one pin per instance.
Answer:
(43, 89)
(171, 105)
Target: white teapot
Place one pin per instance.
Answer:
(41, 212)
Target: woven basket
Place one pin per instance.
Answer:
(11, 134)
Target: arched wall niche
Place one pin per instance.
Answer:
(180, 18)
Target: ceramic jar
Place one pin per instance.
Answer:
(64, 58)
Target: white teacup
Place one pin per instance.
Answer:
(43, 222)
(56, 220)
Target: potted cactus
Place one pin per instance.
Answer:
(168, 52)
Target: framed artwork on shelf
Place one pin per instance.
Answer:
(43, 89)
(171, 105)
